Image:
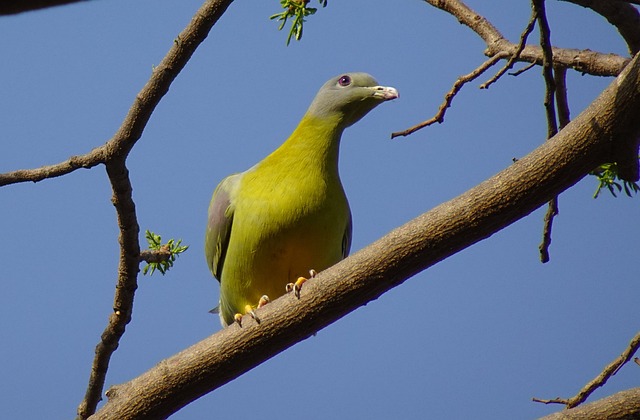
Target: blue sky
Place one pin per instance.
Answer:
(476, 336)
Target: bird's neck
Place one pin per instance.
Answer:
(314, 143)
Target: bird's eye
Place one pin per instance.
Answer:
(344, 80)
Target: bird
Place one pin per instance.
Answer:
(288, 215)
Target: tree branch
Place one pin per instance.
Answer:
(610, 370)
(155, 255)
(516, 54)
(562, 102)
(452, 226)
(89, 160)
(584, 61)
(547, 66)
(622, 15)
(552, 126)
(497, 46)
(114, 154)
(448, 98)
(623, 405)
(125, 288)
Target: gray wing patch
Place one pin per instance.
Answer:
(220, 222)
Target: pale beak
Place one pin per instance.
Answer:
(384, 92)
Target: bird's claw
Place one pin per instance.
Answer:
(263, 301)
(297, 286)
(248, 309)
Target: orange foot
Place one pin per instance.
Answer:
(297, 286)
(248, 309)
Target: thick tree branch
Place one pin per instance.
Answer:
(114, 154)
(494, 204)
(583, 61)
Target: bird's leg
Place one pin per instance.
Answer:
(248, 309)
(297, 286)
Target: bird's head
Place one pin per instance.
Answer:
(349, 97)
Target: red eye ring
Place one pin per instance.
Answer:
(344, 80)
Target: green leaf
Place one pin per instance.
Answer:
(297, 10)
(172, 247)
(607, 175)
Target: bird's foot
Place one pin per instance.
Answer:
(297, 286)
(248, 309)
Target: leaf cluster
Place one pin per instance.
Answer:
(172, 249)
(297, 10)
(607, 175)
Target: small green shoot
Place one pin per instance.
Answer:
(297, 10)
(607, 175)
(171, 250)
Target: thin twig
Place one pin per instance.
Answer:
(117, 150)
(516, 54)
(156, 255)
(610, 370)
(522, 70)
(552, 212)
(89, 160)
(547, 67)
(549, 105)
(550, 401)
(562, 99)
(448, 98)
(564, 118)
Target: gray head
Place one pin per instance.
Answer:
(349, 97)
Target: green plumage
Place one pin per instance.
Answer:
(288, 214)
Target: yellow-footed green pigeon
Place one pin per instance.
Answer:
(288, 215)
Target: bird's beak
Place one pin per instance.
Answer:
(384, 92)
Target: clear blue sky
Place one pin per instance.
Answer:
(476, 336)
